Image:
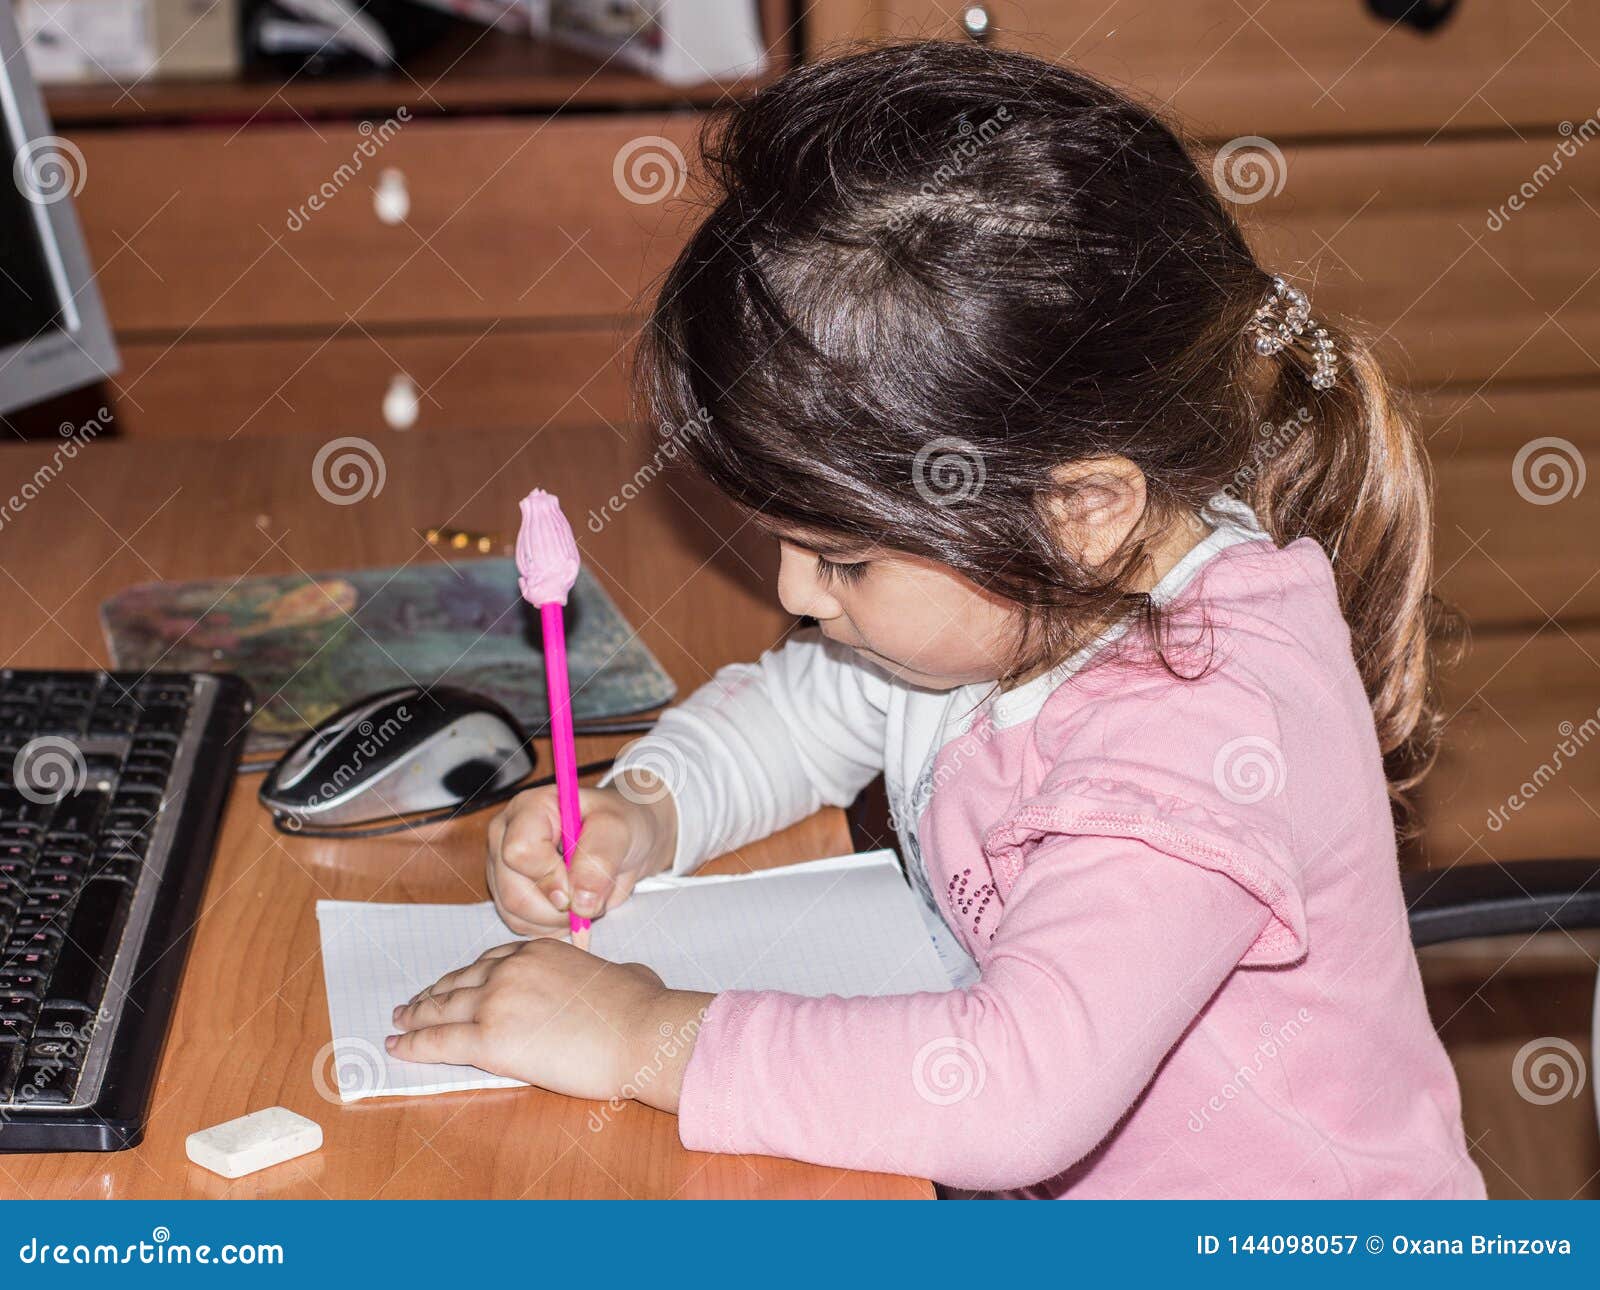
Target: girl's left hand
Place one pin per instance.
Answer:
(550, 1014)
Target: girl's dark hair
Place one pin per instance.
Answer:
(933, 272)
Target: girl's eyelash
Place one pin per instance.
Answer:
(845, 572)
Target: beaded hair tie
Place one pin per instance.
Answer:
(1282, 319)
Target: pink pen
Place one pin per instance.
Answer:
(547, 562)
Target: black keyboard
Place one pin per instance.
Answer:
(112, 787)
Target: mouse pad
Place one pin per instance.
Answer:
(309, 645)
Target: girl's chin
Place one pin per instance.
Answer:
(911, 675)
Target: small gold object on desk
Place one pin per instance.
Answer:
(465, 540)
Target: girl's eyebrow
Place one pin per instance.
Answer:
(824, 546)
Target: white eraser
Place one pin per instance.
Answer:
(253, 1142)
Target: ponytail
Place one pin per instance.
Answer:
(1357, 481)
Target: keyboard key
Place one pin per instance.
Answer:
(40, 941)
(45, 1084)
(163, 719)
(16, 809)
(39, 962)
(143, 781)
(68, 1049)
(52, 864)
(49, 901)
(29, 983)
(127, 867)
(20, 1008)
(123, 846)
(79, 813)
(15, 873)
(91, 945)
(153, 747)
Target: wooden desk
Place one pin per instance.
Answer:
(252, 1024)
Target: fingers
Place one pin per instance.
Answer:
(455, 1042)
(595, 862)
(475, 973)
(526, 870)
(435, 1009)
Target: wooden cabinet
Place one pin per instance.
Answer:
(449, 273)
(1294, 67)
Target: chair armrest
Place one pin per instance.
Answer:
(1496, 899)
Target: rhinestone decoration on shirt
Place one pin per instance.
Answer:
(969, 900)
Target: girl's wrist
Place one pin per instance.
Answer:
(663, 1041)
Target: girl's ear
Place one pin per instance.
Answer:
(1096, 507)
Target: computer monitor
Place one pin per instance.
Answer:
(54, 335)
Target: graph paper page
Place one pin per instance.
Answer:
(847, 926)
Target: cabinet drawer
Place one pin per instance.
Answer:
(1517, 515)
(1424, 243)
(365, 384)
(1519, 774)
(443, 221)
(1299, 66)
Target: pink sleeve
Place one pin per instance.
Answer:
(1108, 949)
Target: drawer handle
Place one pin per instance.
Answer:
(975, 21)
(1424, 15)
(391, 199)
(401, 403)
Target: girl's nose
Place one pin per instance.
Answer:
(801, 591)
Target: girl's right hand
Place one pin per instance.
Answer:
(624, 839)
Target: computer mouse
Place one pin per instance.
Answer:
(404, 750)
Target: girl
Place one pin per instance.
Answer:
(1119, 566)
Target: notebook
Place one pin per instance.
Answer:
(848, 926)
